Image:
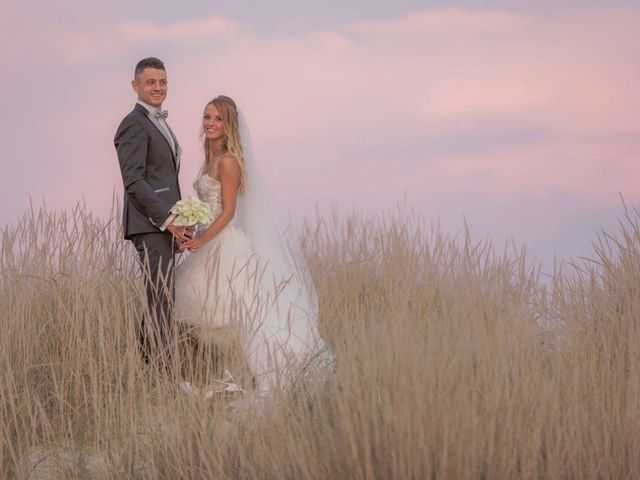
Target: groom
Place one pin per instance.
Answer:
(149, 156)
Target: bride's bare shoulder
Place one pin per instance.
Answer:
(228, 163)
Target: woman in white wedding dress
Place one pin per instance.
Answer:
(243, 285)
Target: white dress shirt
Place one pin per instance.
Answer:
(160, 122)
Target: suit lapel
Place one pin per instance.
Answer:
(175, 154)
(178, 152)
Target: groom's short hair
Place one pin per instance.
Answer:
(149, 62)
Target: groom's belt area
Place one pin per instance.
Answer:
(163, 203)
(150, 206)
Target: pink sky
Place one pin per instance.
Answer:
(524, 123)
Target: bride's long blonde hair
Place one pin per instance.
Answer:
(232, 143)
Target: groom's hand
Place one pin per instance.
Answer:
(179, 233)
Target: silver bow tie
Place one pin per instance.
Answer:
(161, 115)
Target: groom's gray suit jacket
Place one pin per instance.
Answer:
(149, 168)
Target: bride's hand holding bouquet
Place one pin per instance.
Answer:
(188, 214)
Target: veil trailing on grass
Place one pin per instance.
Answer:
(257, 214)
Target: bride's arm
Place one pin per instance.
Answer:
(229, 173)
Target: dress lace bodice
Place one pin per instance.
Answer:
(209, 191)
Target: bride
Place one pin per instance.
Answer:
(243, 285)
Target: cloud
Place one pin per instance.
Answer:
(468, 110)
(181, 32)
(445, 22)
(542, 104)
(54, 43)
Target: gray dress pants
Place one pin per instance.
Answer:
(156, 254)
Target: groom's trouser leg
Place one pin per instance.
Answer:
(156, 254)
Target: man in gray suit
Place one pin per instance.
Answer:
(149, 156)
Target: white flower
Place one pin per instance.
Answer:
(191, 212)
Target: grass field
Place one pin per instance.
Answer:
(454, 361)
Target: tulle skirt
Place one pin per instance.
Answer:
(231, 298)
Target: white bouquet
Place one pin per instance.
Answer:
(191, 212)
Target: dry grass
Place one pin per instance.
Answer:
(444, 369)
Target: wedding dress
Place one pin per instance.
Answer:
(252, 294)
